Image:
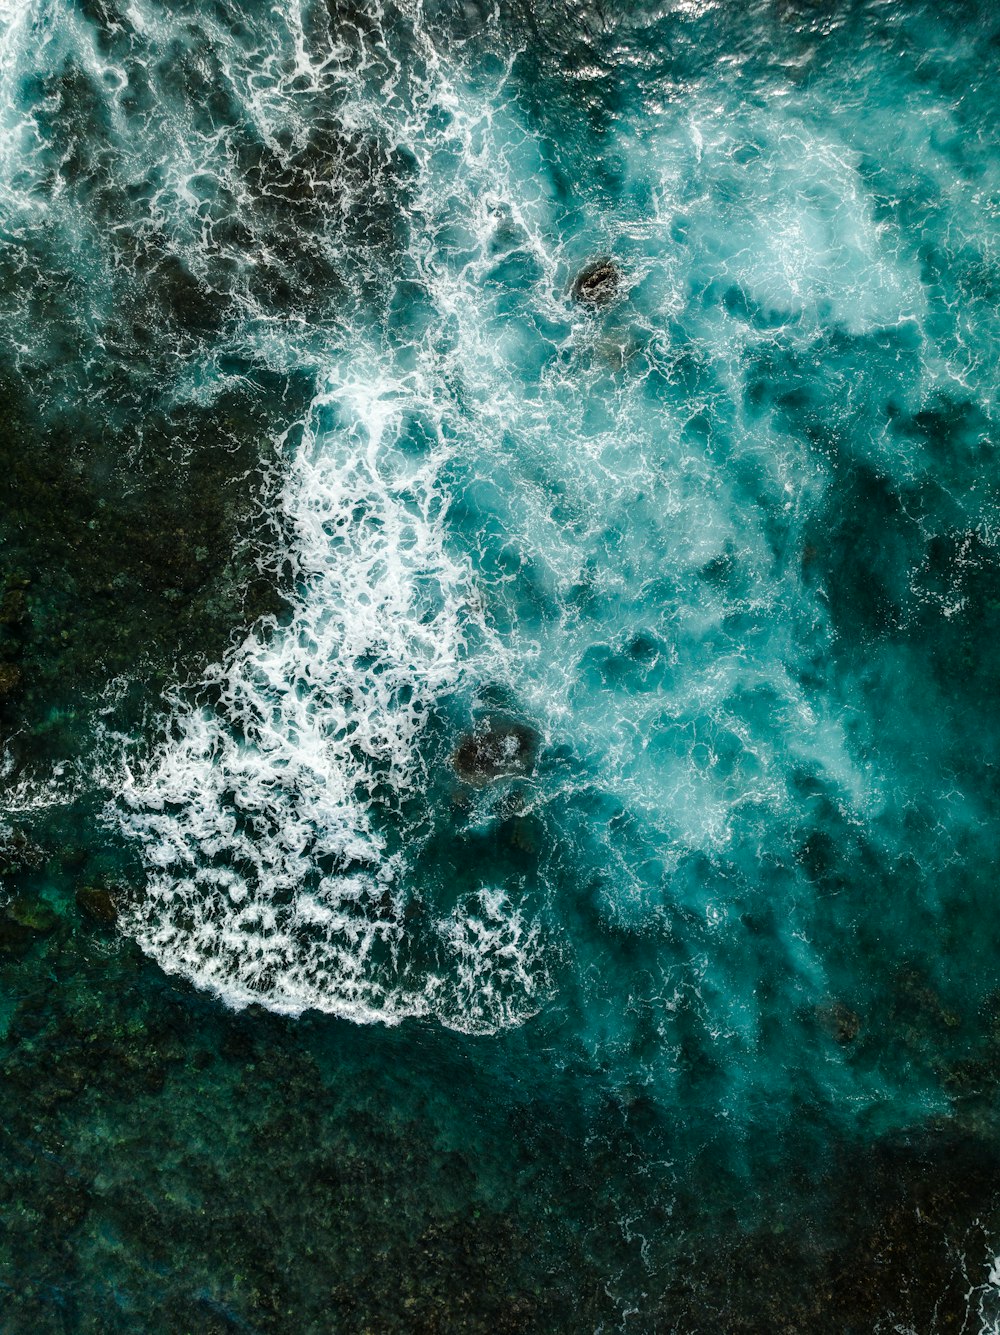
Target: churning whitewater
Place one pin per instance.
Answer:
(278, 824)
(514, 501)
(485, 485)
(487, 495)
(500, 546)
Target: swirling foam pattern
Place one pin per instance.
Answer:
(694, 540)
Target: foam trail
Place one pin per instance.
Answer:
(314, 721)
(276, 821)
(496, 494)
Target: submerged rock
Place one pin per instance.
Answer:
(840, 1022)
(21, 923)
(97, 904)
(14, 603)
(494, 750)
(34, 914)
(10, 679)
(597, 283)
(15, 938)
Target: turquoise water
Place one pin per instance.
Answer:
(501, 814)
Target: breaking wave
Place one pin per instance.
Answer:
(602, 517)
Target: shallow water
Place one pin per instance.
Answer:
(537, 752)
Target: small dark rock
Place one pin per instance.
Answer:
(97, 904)
(495, 749)
(969, 1076)
(153, 1079)
(68, 1207)
(597, 283)
(525, 834)
(13, 607)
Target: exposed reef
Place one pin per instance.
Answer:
(495, 749)
(598, 283)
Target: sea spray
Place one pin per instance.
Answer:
(276, 879)
(501, 488)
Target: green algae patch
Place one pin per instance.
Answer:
(34, 914)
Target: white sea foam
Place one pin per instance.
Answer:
(271, 820)
(495, 973)
(277, 818)
(271, 878)
(982, 1297)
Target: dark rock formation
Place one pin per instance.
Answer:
(598, 283)
(15, 939)
(10, 679)
(840, 1022)
(97, 904)
(33, 914)
(23, 921)
(495, 749)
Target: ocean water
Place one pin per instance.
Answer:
(500, 802)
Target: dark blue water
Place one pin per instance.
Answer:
(497, 667)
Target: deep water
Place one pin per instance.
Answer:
(500, 603)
